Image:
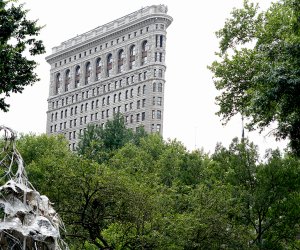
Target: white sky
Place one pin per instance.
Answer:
(190, 108)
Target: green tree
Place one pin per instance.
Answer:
(99, 143)
(265, 196)
(17, 36)
(258, 71)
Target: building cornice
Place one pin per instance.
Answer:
(109, 30)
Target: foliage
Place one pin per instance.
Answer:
(258, 73)
(157, 195)
(17, 36)
(98, 143)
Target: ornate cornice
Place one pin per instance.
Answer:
(154, 13)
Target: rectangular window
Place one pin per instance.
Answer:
(160, 57)
(143, 116)
(153, 101)
(159, 101)
(137, 117)
(138, 104)
(143, 103)
(153, 114)
(158, 114)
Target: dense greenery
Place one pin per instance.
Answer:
(17, 36)
(258, 71)
(153, 194)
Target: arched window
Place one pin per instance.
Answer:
(119, 97)
(121, 61)
(132, 53)
(126, 94)
(107, 100)
(77, 76)
(144, 89)
(131, 93)
(144, 52)
(67, 80)
(115, 98)
(98, 68)
(159, 87)
(109, 65)
(154, 87)
(57, 83)
(88, 70)
(139, 90)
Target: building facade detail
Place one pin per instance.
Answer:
(118, 67)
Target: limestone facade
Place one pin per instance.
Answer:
(116, 67)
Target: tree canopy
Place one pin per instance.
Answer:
(258, 71)
(17, 37)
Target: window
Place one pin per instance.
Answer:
(140, 76)
(71, 111)
(67, 80)
(132, 53)
(126, 107)
(75, 110)
(158, 127)
(160, 57)
(154, 87)
(138, 104)
(102, 114)
(87, 73)
(153, 114)
(71, 122)
(57, 83)
(98, 68)
(144, 89)
(75, 122)
(161, 40)
(152, 128)
(81, 108)
(109, 65)
(115, 97)
(121, 61)
(119, 109)
(92, 117)
(153, 101)
(156, 57)
(107, 100)
(62, 102)
(138, 90)
(92, 107)
(114, 111)
(97, 103)
(132, 79)
(143, 116)
(154, 73)
(159, 87)
(66, 113)
(86, 106)
(137, 117)
(119, 97)
(77, 76)
(107, 113)
(159, 101)
(131, 93)
(130, 105)
(103, 101)
(81, 120)
(144, 53)
(160, 73)
(52, 115)
(143, 103)
(158, 114)
(145, 75)
(131, 119)
(61, 115)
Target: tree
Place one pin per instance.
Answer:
(258, 73)
(99, 143)
(17, 36)
(265, 196)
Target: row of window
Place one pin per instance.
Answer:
(111, 43)
(99, 65)
(156, 87)
(84, 107)
(156, 114)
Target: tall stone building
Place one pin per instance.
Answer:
(116, 67)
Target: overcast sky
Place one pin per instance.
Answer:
(189, 93)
